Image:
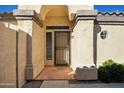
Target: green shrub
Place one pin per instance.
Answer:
(103, 74)
(108, 63)
(111, 72)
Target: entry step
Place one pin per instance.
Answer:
(55, 84)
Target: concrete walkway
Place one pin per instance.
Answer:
(94, 84)
(33, 84)
(79, 84)
(71, 84)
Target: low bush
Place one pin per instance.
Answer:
(111, 72)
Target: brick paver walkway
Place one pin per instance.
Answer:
(56, 73)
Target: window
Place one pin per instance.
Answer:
(57, 27)
(49, 45)
(103, 34)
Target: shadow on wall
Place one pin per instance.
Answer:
(24, 55)
(97, 29)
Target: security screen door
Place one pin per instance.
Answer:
(62, 44)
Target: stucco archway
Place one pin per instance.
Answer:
(54, 12)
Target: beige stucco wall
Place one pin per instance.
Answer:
(25, 31)
(14, 43)
(113, 46)
(82, 44)
(57, 21)
(13, 47)
(35, 47)
(25, 26)
(22, 57)
(38, 50)
(8, 54)
(56, 15)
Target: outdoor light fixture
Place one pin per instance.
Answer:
(103, 34)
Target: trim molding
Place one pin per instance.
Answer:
(108, 23)
(84, 15)
(27, 15)
(99, 18)
(21, 15)
(110, 18)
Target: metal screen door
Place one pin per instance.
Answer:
(62, 45)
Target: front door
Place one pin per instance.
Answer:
(62, 45)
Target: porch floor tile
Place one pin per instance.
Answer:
(56, 73)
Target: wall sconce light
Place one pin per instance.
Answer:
(104, 34)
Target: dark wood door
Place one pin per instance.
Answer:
(62, 45)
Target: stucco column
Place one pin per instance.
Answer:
(82, 39)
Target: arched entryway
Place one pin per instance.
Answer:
(57, 42)
(57, 29)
